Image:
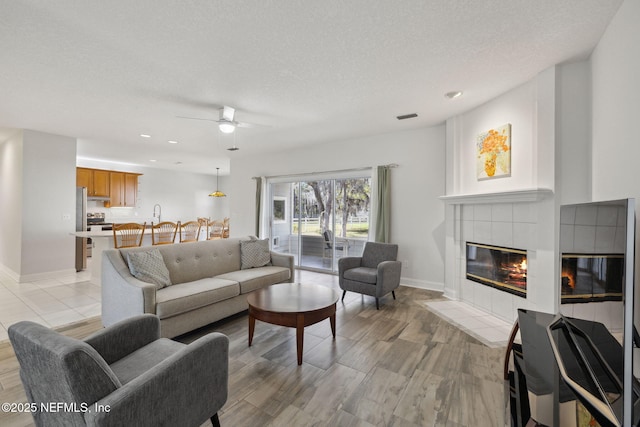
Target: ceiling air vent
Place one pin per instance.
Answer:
(407, 116)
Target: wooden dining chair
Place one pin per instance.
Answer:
(215, 230)
(128, 235)
(163, 233)
(189, 231)
(225, 228)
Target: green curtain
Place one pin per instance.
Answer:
(258, 204)
(383, 209)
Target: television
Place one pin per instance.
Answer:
(597, 255)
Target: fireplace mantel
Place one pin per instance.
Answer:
(517, 196)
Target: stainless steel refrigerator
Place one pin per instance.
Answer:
(81, 225)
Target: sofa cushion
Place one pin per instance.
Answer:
(185, 297)
(362, 274)
(149, 267)
(254, 253)
(256, 278)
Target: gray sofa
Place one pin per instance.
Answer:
(208, 283)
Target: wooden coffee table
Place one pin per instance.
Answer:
(295, 305)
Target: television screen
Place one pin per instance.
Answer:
(597, 248)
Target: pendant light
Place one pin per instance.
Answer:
(217, 193)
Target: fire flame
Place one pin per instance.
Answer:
(523, 265)
(568, 274)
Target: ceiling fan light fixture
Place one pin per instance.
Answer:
(217, 193)
(226, 127)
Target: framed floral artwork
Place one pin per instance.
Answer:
(493, 153)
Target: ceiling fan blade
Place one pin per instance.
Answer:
(197, 118)
(227, 113)
(250, 125)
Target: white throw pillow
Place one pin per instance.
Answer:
(254, 253)
(149, 267)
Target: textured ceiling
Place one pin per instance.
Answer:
(312, 71)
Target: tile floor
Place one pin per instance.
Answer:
(53, 302)
(488, 329)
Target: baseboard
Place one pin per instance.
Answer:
(452, 294)
(422, 284)
(9, 272)
(22, 278)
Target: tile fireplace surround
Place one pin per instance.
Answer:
(518, 219)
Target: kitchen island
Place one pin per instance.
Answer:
(103, 240)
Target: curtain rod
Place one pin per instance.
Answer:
(391, 165)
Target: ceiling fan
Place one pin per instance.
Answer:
(226, 121)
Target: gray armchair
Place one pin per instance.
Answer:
(124, 375)
(375, 273)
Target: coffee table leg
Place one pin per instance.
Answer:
(332, 319)
(299, 336)
(252, 327)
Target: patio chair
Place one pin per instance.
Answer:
(340, 244)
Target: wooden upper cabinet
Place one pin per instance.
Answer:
(101, 183)
(124, 189)
(84, 178)
(120, 187)
(96, 181)
(130, 189)
(117, 184)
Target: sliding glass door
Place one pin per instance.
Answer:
(320, 220)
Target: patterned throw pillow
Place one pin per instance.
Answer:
(149, 267)
(254, 253)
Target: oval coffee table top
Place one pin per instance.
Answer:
(292, 298)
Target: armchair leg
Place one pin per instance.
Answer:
(343, 294)
(394, 294)
(215, 422)
(377, 304)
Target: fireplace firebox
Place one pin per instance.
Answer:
(499, 267)
(592, 277)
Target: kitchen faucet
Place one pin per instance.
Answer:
(159, 211)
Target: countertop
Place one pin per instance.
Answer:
(92, 234)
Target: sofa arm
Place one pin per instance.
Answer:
(123, 295)
(388, 277)
(125, 337)
(284, 260)
(185, 389)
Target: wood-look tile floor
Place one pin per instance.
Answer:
(401, 365)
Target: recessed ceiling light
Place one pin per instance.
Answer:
(454, 94)
(173, 142)
(144, 135)
(153, 160)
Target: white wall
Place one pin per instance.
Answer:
(615, 71)
(11, 203)
(417, 216)
(40, 202)
(514, 107)
(183, 196)
(616, 85)
(49, 203)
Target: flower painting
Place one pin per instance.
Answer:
(493, 152)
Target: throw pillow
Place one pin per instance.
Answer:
(254, 253)
(149, 267)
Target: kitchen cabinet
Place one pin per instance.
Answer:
(97, 181)
(124, 189)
